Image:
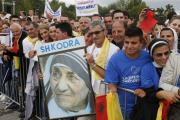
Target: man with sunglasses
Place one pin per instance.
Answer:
(98, 54)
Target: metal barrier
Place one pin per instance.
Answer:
(12, 83)
(125, 90)
(13, 87)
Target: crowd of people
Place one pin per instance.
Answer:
(142, 57)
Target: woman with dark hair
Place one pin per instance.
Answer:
(147, 103)
(68, 86)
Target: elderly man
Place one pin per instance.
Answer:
(32, 76)
(16, 53)
(99, 54)
(84, 23)
(118, 33)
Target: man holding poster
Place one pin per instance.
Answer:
(66, 76)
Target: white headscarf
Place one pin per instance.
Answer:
(175, 44)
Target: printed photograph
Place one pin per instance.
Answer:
(67, 85)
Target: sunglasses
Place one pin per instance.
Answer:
(96, 32)
(161, 54)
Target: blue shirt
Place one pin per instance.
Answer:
(125, 72)
(149, 76)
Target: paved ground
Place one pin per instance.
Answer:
(8, 114)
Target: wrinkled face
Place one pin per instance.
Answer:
(98, 35)
(84, 23)
(168, 35)
(118, 16)
(161, 54)
(118, 32)
(70, 91)
(32, 32)
(132, 46)
(44, 33)
(175, 24)
(52, 33)
(16, 32)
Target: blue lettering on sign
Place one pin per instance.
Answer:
(65, 44)
(42, 49)
(53, 47)
(77, 42)
(86, 7)
(60, 45)
(47, 48)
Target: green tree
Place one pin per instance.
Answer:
(133, 7)
(26, 5)
(164, 13)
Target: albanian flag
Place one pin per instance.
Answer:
(101, 108)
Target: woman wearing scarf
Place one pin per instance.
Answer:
(171, 36)
(147, 103)
(170, 83)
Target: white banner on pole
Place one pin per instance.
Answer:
(48, 12)
(86, 7)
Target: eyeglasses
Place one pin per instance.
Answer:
(161, 54)
(96, 32)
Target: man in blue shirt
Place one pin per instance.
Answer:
(123, 70)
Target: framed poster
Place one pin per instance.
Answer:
(67, 82)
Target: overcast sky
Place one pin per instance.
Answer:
(150, 3)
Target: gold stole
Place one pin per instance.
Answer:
(101, 58)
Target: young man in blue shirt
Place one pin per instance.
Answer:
(123, 70)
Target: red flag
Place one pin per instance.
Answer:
(149, 22)
(101, 108)
(165, 110)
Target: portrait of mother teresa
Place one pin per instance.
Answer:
(67, 86)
